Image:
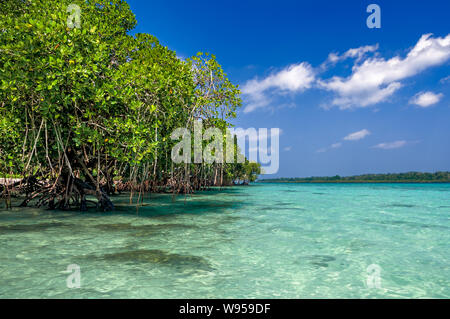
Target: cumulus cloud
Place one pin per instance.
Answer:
(390, 145)
(355, 53)
(295, 78)
(376, 79)
(426, 99)
(358, 53)
(357, 135)
(373, 79)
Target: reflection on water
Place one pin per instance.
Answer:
(263, 241)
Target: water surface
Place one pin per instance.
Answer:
(263, 241)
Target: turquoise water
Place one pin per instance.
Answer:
(262, 241)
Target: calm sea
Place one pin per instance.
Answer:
(262, 241)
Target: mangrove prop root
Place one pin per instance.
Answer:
(67, 192)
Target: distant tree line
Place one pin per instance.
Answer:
(411, 177)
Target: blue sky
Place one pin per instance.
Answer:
(348, 99)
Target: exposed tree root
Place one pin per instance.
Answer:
(65, 193)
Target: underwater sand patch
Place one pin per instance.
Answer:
(160, 257)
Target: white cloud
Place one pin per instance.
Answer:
(333, 58)
(288, 149)
(333, 146)
(391, 145)
(445, 80)
(360, 52)
(336, 145)
(295, 78)
(376, 79)
(356, 53)
(357, 135)
(373, 80)
(351, 137)
(426, 99)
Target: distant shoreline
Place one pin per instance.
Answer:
(396, 178)
(352, 182)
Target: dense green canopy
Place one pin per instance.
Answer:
(89, 110)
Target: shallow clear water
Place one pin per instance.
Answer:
(263, 241)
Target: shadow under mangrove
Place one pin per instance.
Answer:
(163, 206)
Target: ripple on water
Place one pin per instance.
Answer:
(405, 223)
(145, 228)
(400, 205)
(225, 246)
(159, 257)
(25, 228)
(319, 261)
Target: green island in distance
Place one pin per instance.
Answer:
(411, 177)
